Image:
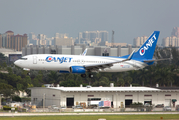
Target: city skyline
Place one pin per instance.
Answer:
(128, 19)
(137, 41)
(109, 40)
(92, 38)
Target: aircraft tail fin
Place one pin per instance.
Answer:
(146, 51)
(85, 51)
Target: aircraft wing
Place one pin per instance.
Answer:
(101, 66)
(106, 65)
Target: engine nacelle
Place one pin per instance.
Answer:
(77, 69)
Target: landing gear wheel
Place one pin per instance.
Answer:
(90, 75)
(83, 75)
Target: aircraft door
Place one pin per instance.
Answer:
(82, 61)
(34, 59)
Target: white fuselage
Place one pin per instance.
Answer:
(64, 62)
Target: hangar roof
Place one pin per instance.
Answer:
(68, 89)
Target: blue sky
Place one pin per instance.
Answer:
(128, 18)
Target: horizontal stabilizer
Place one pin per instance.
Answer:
(147, 61)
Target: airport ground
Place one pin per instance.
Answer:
(88, 116)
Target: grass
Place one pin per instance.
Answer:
(96, 117)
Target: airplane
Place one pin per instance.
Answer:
(81, 64)
(84, 53)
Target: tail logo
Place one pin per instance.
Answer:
(149, 44)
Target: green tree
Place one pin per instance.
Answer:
(120, 82)
(9, 69)
(164, 76)
(7, 92)
(20, 87)
(4, 65)
(68, 83)
(53, 77)
(16, 98)
(4, 86)
(128, 80)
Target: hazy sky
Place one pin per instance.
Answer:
(128, 18)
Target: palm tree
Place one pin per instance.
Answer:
(151, 74)
(53, 77)
(143, 76)
(166, 76)
(120, 82)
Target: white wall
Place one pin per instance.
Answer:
(56, 97)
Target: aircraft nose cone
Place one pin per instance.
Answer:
(16, 62)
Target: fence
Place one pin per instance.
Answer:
(55, 109)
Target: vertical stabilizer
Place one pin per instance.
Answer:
(146, 51)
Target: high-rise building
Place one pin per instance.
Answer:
(32, 36)
(41, 39)
(64, 40)
(19, 41)
(32, 39)
(103, 35)
(79, 37)
(93, 37)
(170, 41)
(173, 40)
(138, 41)
(175, 32)
(9, 34)
(16, 42)
(57, 35)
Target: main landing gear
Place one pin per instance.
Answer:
(84, 75)
(90, 75)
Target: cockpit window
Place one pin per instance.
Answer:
(23, 58)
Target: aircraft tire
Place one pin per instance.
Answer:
(90, 75)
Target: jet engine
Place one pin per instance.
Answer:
(77, 69)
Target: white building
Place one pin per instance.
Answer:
(71, 96)
(170, 41)
(6, 51)
(138, 41)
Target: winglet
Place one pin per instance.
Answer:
(85, 51)
(130, 56)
